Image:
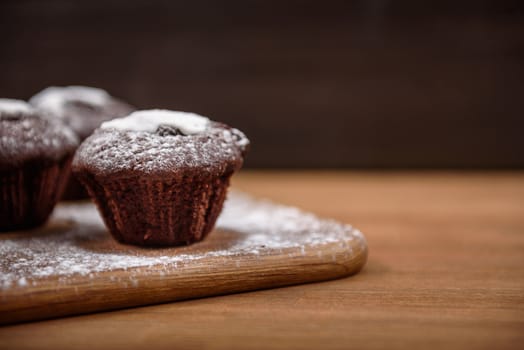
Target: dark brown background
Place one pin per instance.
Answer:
(313, 83)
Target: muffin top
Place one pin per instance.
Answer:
(82, 108)
(26, 136)
(161, 143)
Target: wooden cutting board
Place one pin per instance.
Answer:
(73, 266)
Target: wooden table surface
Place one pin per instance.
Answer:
(445, 270)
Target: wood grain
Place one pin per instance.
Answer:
(445, 270)
(221, 264)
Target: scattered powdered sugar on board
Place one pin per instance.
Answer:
(261, 227)
(277, 226)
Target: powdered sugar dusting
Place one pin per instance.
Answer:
(12, 106)
(26, 136)
(111, 151)
(65, 248)
(150, 120)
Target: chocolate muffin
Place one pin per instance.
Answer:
(35, 162)
(83, 109)
(159, 177)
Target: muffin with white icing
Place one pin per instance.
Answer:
(160, 177)
(83, 109)
(35, 162)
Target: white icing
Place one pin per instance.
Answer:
(260, 227)
(150, 120)
(54, 98)
(9, 105)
